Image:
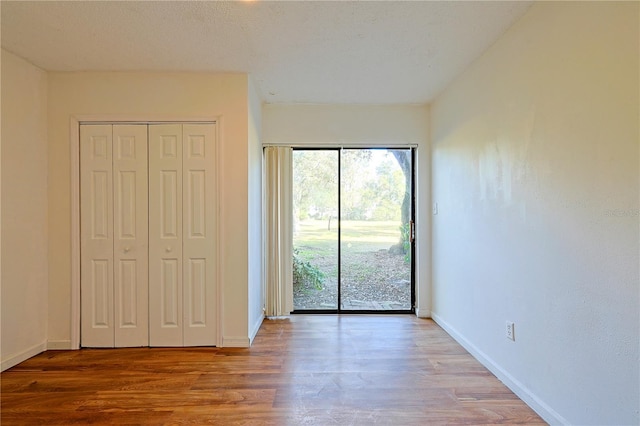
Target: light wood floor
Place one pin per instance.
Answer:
(309, 370)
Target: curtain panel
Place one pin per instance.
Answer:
(278, 231)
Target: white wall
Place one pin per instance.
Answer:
(366, 125)
(154, 94)
(344, 124)
(254, 165)
(24, 210)
(535, 172)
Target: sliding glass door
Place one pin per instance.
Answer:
(315, 229)
(353, 230)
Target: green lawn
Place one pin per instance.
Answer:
(313, 239)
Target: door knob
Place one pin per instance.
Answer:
(168, 249)
(126, 249)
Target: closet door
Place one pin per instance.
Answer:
(165, 235)
(130, 235)
(96, 236)
(199, 234)
(113, 221)
(182, 235)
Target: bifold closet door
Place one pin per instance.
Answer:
(182, 235)
(113, 232)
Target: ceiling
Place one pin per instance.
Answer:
(353, 52)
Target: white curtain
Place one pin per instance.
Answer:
(278, 231)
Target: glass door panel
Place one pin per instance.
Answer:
(375, 230)
(315, 232)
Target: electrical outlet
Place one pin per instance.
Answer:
(435, 209)
(511, 331)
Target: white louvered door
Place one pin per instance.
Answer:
(148, 235)
(182, 235)
(113, 229)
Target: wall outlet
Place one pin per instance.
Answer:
(435, 208)
(511, 331)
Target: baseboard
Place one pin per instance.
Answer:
(57, 345)
(23, 356)
(235, 342)
(423, 313)
(547, 413)
(255, 329)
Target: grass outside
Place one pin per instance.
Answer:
(313, 238)
(370, 272)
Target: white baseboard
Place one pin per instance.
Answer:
(23, 356)
(59, 345)
(255, 329)
(547, 413)
(423, 313)
(235, 342)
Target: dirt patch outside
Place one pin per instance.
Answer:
(374, 280)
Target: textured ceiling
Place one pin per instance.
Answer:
(297, 52)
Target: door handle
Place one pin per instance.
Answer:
(412, 231)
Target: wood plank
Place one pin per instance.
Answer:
(324, 369)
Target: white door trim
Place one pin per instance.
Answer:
(74, 150)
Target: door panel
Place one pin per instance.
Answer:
(315, 190)
(169, 189)
(170, 294)
(196, 188)
(165, 235)
(127, 289)
(100, 293)
(96, 236)
(375, 219)
(196, 279)
(99, 202)
(130, 235)
(199, 234)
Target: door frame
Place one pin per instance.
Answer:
(74, 150)
(413, 232)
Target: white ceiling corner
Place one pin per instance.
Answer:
(349, 52)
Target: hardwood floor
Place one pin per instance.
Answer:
(307, 370)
